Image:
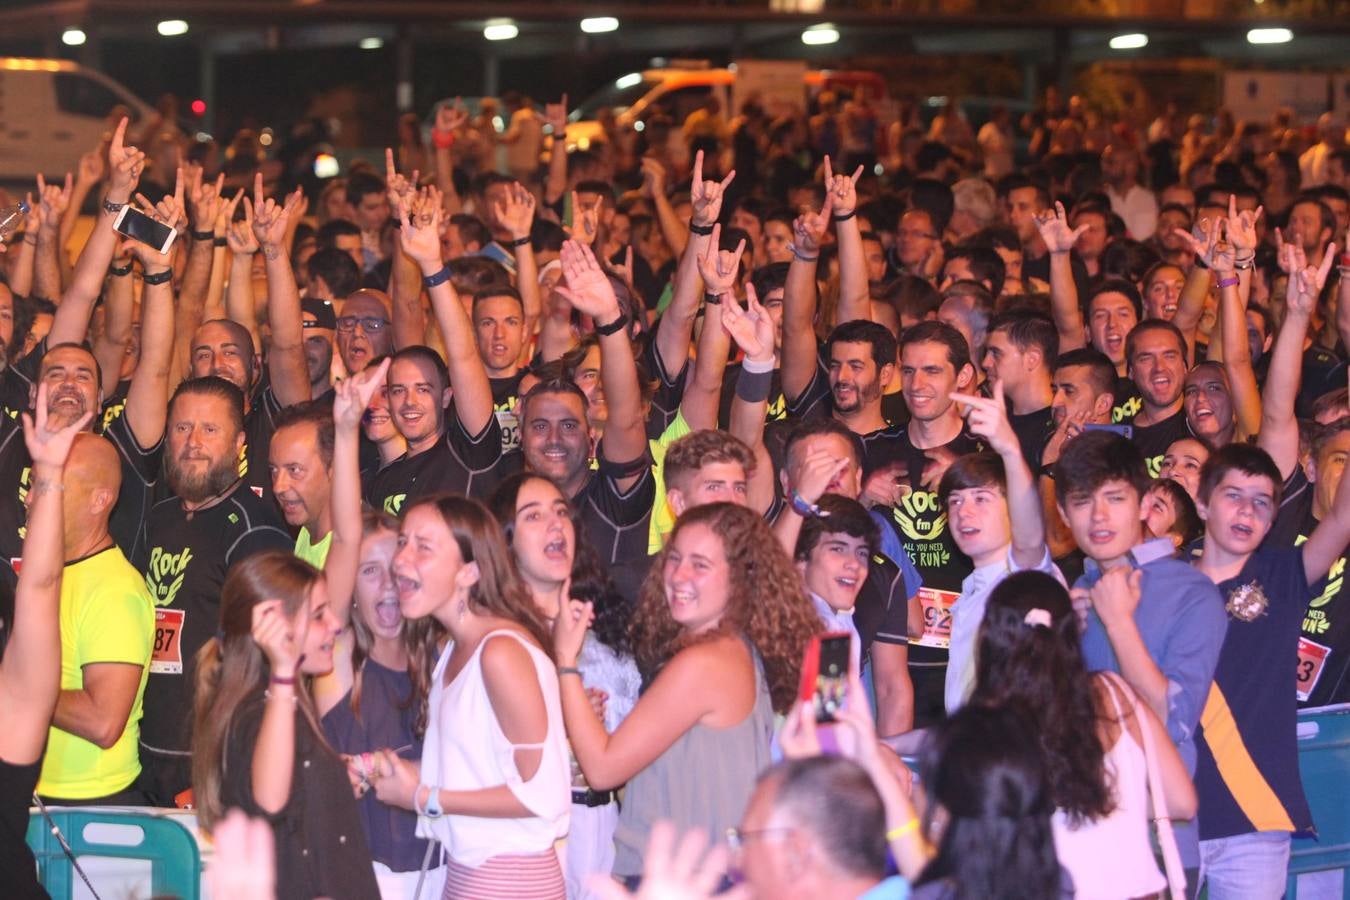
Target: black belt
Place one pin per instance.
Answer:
(590, 798)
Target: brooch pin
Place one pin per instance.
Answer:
(1247, 603)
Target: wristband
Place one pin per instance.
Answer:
(519, 242)
(440, 277)
(30, 240)
(207, 235)
(806, 509)
(613, 327)
(1245, 262)
(1230, 281)
(110, 207)
(280, 679)
(220, 242)
(901, 830)
(1343, 271)
(757, 368)
(569, 670)
(752, 386)
(797, 254)
(843, 217)
(442, 140)
(432, 808)
(703, 230)
(120, 271)
(157, 278)
(714, 298)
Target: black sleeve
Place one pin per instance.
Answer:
(143, 461)
(479, 452)
(236, 781)
(256, 539)
(815, 398)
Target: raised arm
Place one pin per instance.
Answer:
(1237, 355)
(55, 201)
(1329, 538)
(196, 286)
(752, 330)
(30, 672)
(676, 328)
(272, 765)
(449, 120)
(110, 343)
(703, 394)
(420, 239)
(148, 396)
(1279, 430)
(286, 355)
(987, 418)
(240, 303)
(590, 293)
(93, 166)
(673, 230)
(799, 300)
(1059, 239)
(517, 216)
(25, 251)
(1204, 243)
(854, 296)
(555, 116)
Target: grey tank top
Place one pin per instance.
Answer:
(704, 780)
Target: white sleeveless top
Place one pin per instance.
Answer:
(1112, 858)
(465, 750)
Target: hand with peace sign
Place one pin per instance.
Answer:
(844, 188)
(987, 418)
(706, 196)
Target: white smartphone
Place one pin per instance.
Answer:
(138, 226)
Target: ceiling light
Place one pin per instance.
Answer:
(500, 30)
(1269, 36)
(73, 37)
(632, 79)
(1129, 41)
(820, 34)
(599, 24)
(371, 43)
(172, 27)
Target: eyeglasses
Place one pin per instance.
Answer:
(368, 323)
(907, 233)
(737, 839)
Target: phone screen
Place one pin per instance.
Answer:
(831, 677)
(138, 226)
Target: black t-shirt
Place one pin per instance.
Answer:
(259, 425)
(17, 380)
(1323, 372)
(18, 869)
(617, 524)
(1154, 440)
(1040, 268)
(140, 469)
(1127, 402)
(882, 610)
(321, 848)
(669, 388)
(1324, 638)
(505, 396)
(458, 463)
(185, 561)
(1033, 431)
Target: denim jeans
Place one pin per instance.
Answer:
(1246, 867)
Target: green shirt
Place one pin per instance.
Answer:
(314, 554)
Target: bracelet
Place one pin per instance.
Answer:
(843, 217)
(282, 679)
(802, 256)
(519, 242)
(437, 278)
(805, 508)
(206, 235)
(120, 271)
(714, 298)
(1230, 281)
(110, 207)
(46, 485)
(569, 670)
(220, 242)
(900, 831)
(703, 230)
(613, 327)
(432, 808)
(294, 698)
(157, 278)
(30, 240)
(1245, 262)
(1343, 271)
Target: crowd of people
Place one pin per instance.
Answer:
(460, 529)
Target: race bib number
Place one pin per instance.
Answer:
(510, 426)
(937, 617)
(167, 657)
(1312, 658)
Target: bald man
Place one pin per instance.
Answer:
(107, 639)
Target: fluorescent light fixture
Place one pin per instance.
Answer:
(629, 80)
(599, 24)
(73, 37)
(371, 43)
(817, 35)
(1129, 41)
(500, 30)
(1269, 36)
(172, 27)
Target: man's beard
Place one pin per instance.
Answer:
(195, 488)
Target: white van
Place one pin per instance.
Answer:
(52, 111)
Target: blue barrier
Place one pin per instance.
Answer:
(1324, 762)
(169, 848)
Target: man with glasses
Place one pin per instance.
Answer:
(917, 243)
(363, 331)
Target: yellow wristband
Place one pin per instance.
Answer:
(900, 831)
